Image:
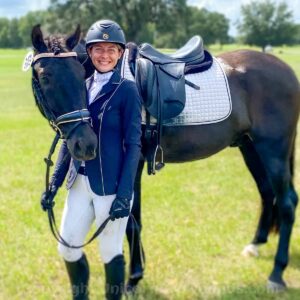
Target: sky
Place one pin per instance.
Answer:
(230, 8)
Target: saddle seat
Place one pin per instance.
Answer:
(192, 53)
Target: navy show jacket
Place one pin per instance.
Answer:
(116, 120)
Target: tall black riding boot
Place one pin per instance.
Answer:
(115, 277)
(79, 277)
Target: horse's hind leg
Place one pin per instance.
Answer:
(133, 231)
(275, 156)
(268, 218)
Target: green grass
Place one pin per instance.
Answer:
(197, 217)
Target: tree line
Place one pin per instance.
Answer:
(164, 23)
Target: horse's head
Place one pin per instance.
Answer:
(60, 93)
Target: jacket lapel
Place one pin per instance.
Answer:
(110, 86)
(88, 83)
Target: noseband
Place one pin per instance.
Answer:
(75, 117)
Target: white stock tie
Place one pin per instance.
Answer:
(99, 80)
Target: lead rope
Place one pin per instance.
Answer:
(51, 217)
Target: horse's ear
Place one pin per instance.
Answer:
(73, 39)
(37, 39)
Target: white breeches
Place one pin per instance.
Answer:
(82, 207)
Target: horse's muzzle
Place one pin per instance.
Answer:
(83, 143)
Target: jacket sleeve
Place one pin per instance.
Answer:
(131, 124)
(61, 167)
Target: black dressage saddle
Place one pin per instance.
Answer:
(161, 77)
(161, 81)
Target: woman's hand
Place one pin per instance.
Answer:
(120, 208)
(47, 199)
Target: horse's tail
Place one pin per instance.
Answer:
(275, 222)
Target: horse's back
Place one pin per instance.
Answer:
(271, 89)
(255, 66)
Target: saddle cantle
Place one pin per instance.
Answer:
(192, 52)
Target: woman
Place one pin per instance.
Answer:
(103, 186)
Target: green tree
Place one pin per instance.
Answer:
(63, 16)
(9, 33)
(297, 36)
(27, 22)
(267, 23)
(4, 28)
(212, 26)
(165, 23)
(139, 18)
(14, 38)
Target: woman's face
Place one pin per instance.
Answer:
(105, 56)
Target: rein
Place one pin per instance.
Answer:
(77, 117)
(51, 217)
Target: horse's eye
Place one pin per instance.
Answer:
(44, 79)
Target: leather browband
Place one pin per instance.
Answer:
(60, 55)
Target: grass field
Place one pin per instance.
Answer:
(197, 217)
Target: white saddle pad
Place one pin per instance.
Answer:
(211, 104)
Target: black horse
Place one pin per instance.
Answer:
(265, 109)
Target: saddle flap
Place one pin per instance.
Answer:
(175, 70)
(162, 88)
(146, 80)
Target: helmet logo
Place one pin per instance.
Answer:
(105, 36)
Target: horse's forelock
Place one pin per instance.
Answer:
(56, 44)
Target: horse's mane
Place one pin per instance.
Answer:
(133, 51)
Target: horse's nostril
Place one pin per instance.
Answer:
(91, 152)
(77, 147)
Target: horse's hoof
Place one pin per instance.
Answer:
(132, 283)
(275, 287)
(250, 250)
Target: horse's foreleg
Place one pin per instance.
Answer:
(133, 231)
(278, 170)
(268, 218)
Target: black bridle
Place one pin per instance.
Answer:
(74, 118)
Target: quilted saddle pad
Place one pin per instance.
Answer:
(211, 104)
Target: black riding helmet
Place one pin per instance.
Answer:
(105, 31)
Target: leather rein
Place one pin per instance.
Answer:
(74, 118)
